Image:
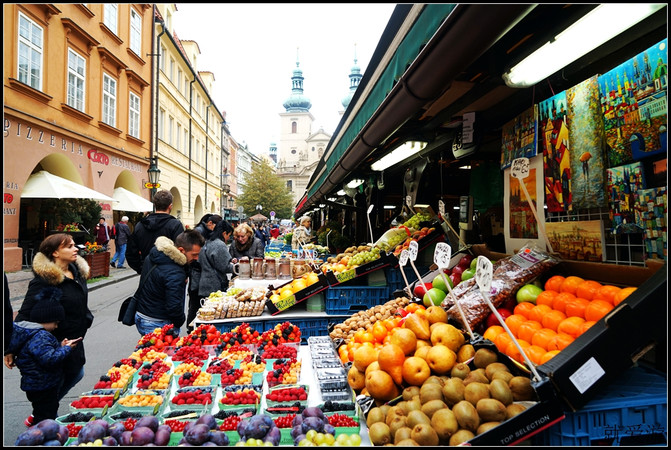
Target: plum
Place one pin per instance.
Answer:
(197, 434)
(49, 428)
(141, 435)
(298, 438)
(188, 425)
(162, 436)
(329, 429)
(209, 420)
(125, 439)
(219, 438)
(312, 423)
(63, 434)
(273, 436)
(296, 430)
(313, 411)
(109, 441)
(209, 444)
(90, 432)
(258, 427)
(297, 420)
(52, 443)
(150, 422)
(243, 425)
(116, 429)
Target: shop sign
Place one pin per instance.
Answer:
(98, 157)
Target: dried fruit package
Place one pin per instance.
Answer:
(509, 274)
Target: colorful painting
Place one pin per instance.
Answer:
(519, 222)
(577, 240)
(624, 182)
(651, 215)
(633, 104)
(586, 144)
(519, 137)
(553, 140)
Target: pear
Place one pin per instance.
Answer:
(418, 325)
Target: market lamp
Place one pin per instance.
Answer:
(403, 151)
(153, 173)
(594, 29)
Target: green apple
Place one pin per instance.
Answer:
(528, 293)
(474, 264)
(439, 283)
(433, 296)
(466, 274)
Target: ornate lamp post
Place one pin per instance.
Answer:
(225, 189)
(153, 172)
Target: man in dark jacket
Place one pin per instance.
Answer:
(205, 227)
(122, 235)
(160, 300)
(160, 223)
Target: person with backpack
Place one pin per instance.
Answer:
(122, 233)
(103, 233)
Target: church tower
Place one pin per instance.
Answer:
(354, 80)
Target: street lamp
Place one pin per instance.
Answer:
(226, 189)
(153, 172)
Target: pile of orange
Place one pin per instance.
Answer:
(373, 338)
(563, 311)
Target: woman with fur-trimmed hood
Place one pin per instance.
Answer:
(58, 264)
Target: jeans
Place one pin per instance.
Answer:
(146, 324)
(71, 376)
(120, 254)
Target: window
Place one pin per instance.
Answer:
(290, 185)
(76, 80)
(186, 141)
(196, 152)
(171, 74)
(294, 127)
(30, 52)
(109, 100)
(110, 16)
(171, 125)
(161, 119)
(179, 137)
(134, 115)
(135, 32)
(180, 75)
(164, 53)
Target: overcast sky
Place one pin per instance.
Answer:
(252, 49)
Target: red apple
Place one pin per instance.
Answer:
(465, 261)
(493, 320)
(458, 270)
(456, 278)
(419, 290)
(447, 271)
(510, 303)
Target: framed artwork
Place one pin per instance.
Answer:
(553, 141)
(519, 137)
(633, 99)
(519, 223)
(580, 240)
(586, 143)
(651, 215)
(624, 182)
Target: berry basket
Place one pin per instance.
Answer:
(287, 394)
(191, 398)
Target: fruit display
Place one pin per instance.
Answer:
(290, 394)
(159, 338)
(272, 351)
(202, 335)
(190, 353)
(118, 376)
(415, 236)
(204, 431)
(195, 378)
(244, 303)
(92, 402)
(351, 258)
(364, 320)
(46, 432)
(282, 333)
(292, 287)
(147, 354)
(236, 352)
(243, 334)
(193, 396)
(141, 399)
(414, 222)
(258, 430)
(154, 375)
(241, 397)
(219, 365)
(284, 371)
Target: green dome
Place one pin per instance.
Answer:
(297, 102)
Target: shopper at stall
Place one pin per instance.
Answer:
(275, 231)
(204, 227)
(103, 233)
(40, 356)
(302, 233)
(245, 244)
(160, 300)
(121, 242)
(215, 263)
(207, 223)
(58, 264)
(160, 223)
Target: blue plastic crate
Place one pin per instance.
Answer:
(631, 411)
(351, 299)
(309, 327)
(395, 279)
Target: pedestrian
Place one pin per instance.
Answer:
(215, 261)
(205, 227)
(122, 235)
(103, 233)
(40, 356)
(245, 244)
(258, 233)
(207, 223)
(162, 294)
(302, 233)
(159, 223)
(275, 231)
(58, 264)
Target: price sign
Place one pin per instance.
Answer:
(483, 274)
(403, 258)
(442, 255)
(441, 208)
(413, 249)
(520, 168)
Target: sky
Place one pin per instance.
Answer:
(252, 50)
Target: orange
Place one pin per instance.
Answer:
(523, 309)
(570, 284)
(542, 338)
(379, 331)
(527, 330)
(358, 335)
(554, 283)
(546, 298)
(535, 353)
(585, 326)
(560, 300)
(597, 309)
(513, 351)
(493, 331)
(514, 321)
(501, 341)
(537, 312)
(560, 342)
(576, 307)
(571, 326)
(412, 307)
(587, 289)
(552, 319)
(367, 337)
(622, 294)
(607, 293)
(548, 356)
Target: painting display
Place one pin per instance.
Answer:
(634, 106)
(577, 240)
(553, 141)
(519, 137)
(586, 143)
(651, 215)
(623, 185)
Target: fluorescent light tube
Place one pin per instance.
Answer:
(354, 183)
(397, 155)
(602, 24)
(340, 192)
(389, 206)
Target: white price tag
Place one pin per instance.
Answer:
(520, 168)
(441, 208)
(408, 201)
(483, 274)
(442, 255)
(413, 249)
(403, 258)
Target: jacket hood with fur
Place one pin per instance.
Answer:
(167, 247)
(52, 274)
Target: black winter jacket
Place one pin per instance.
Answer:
(145, 234)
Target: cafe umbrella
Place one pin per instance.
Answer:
(47, 185)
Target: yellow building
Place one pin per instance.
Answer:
(77, 104)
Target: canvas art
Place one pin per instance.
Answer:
(519, 223)
(651, 215)
(586, 143)
(553, 141)
(519, 137)
(624, 182)
(580, 240)
(634, 106)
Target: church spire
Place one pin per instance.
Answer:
(354, 80)
(297, 102)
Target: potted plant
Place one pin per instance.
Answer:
(97, 258)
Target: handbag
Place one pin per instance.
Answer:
(129, 306)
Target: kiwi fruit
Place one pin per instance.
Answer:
(494, 367)
(393, 412)
(460, 437)
(430, 407)
(460, 370)
(483, 357)
(416, 418)
(385, 408)
(406, 443)
(445, 423)
(396, 424)
(430, 391)
(465, 352)
(413, 404)
(502, 375)
(379, 434)
(514, 409)
(475, 391)
(401, 434)
(466, 415)
(477, 375)
(500, 390)
(491, 410)
(484, 427)
(410, 392)
(403, 406)
(453, 391)
(434, 379)
(424, 435)
(376, 414)
(521, 388)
